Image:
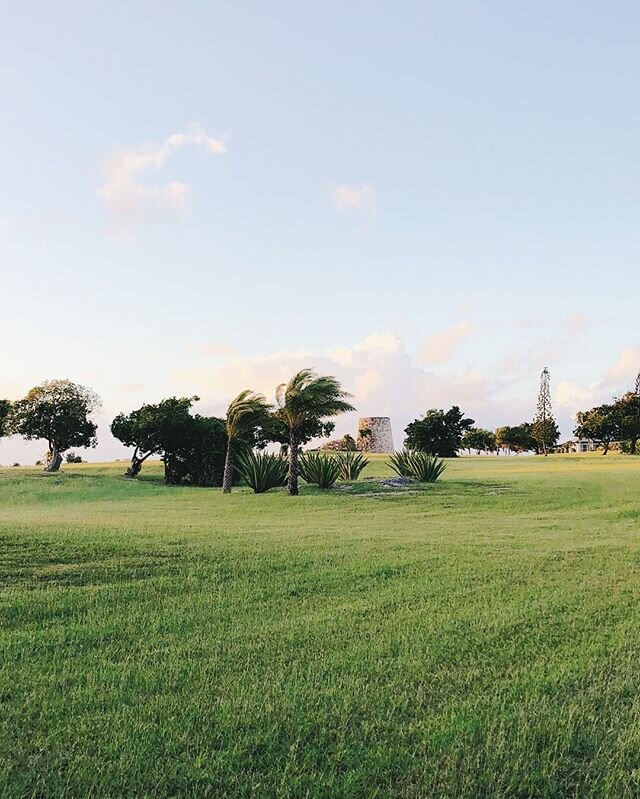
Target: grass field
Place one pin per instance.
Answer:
(476, 638)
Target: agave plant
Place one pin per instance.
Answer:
(351, 464)
(321, 470)
(426, 468)
(399, 462)
(261, 471)
(422, 466)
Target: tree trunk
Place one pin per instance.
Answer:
(606, 448)
(634, 445)
(55, 459)
(136, 463)
(227, 480)
(292, 482)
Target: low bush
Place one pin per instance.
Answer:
(351, 464)
(262, 472)
(320, 470)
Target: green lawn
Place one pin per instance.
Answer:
(475, 638)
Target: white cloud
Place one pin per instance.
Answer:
(128, 199)
(625, 368)
(382, 376)
(440, 347)
(350, 198)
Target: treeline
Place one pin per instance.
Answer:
(206, 450)
(446, 433)
(196, 450)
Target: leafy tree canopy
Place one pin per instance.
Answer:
(627, 411)
(479, 439)
(598, 424)
(57, 411)
(153, 429)
(5, 416)
(438, 432)
(518, 438)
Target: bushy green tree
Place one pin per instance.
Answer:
(305, 403)
(438, 432)
(627, 412)
(198, 457)
(57, 411)
(601, 423)
(153, 429)
(516, 438)
(5, 417)
(479, 439)
(192, 447)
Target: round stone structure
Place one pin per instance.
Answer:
(374, 434)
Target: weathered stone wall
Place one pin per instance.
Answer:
(380, 438)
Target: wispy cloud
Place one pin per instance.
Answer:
(350, 198)
(440, 347)
(128, 199)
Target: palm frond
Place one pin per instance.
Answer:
(245, 411)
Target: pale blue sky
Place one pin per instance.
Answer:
(454, 184)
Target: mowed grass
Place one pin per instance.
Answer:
(475, 638)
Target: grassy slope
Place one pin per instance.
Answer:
(478, 638)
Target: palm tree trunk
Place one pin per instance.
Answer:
(227, 480)
(292, 483)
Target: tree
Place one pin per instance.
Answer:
(5, 417)
(198, 456)
(627, 412)
(438, 432)
(57, 411)
(598, 424)
(246, 413)
(303, 404)
(518, 438)
(478, 439)
(545, 430)
(153, 429)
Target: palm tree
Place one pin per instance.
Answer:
(244, 414)
(307, 398)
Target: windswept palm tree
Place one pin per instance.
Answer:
(246, 412)
(307, 397)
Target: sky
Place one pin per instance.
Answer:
(431, 200)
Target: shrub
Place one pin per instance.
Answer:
(71, 457)
(351, 464)
(320, 470)
(261, 471)
(422, 466)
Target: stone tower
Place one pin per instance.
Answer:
(374, 434)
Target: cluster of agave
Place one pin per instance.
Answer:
(262, 472)
(421, 466)
(324, 470)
